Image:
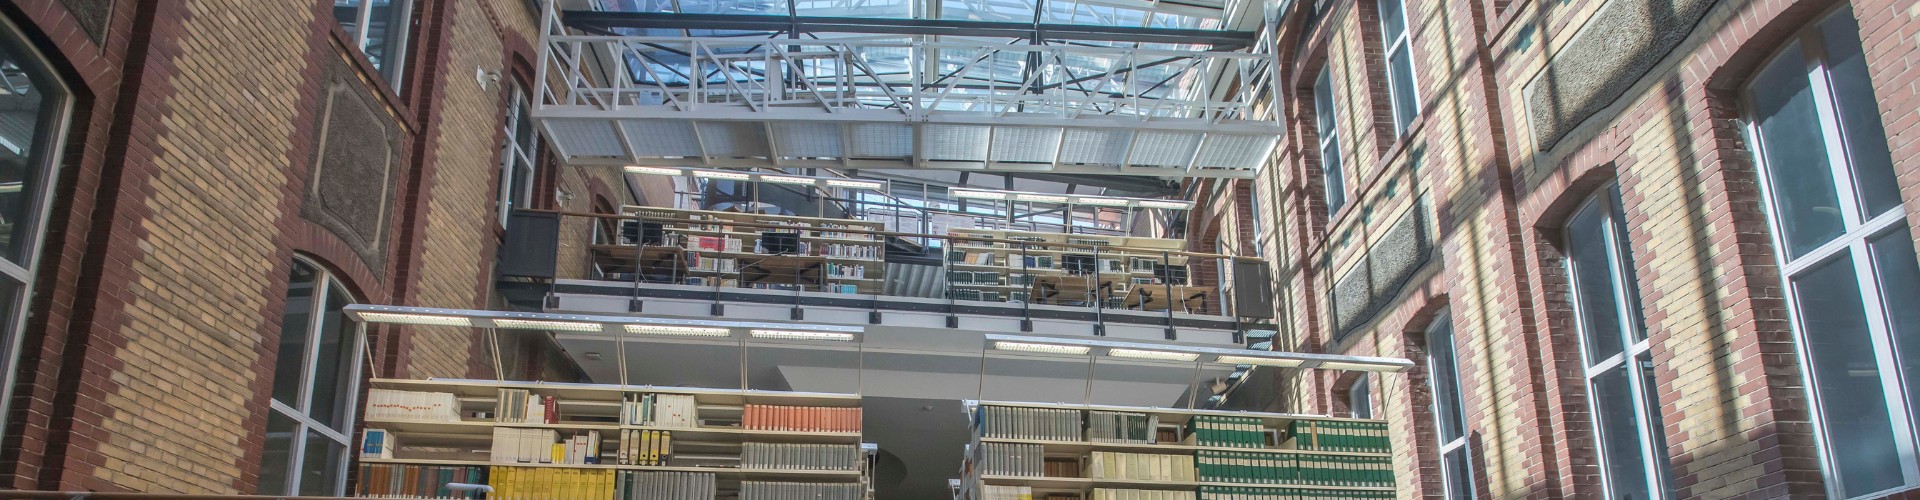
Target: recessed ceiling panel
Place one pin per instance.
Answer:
(586, 137)
(881, 140)
(1025, 144)
(1234, 151)
(734, 139)
(1095, 146)
(662, 138)
(955, 142)
(807, 139)
(1161, 148)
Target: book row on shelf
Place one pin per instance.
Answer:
(415, 481)
(778, 490)
(517, 406)
(1368, 437)
(1228, 432)
(993, 492)
(642, 447)
(1047, 424)
(1245, 493)
(549, 483)
(1125, 494)
(1141, 466)
(1294, 468)
(838, 270)
(664, 485)
(385, 404)
(801, 418)
(1012, 459)
(1122, 427)
(661, 410)
(772, 245)
(544, 446)
(791, 456)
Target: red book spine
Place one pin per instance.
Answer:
(553, 410)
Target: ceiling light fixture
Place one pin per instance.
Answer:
(1040, 348)
(853, 184)
(1101, 201)
(678, 330)
(1176, 205)
(541, 324)
(415, 319)
(718, 174)
(802, 335)
(1041, 198)
(788, 179)
(1146, 354)
(636, 169)
(1257, 361)
(977, 194)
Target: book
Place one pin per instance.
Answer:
(1124, 494)
(661, 410)
(995, 492)
(795, 456)
(377, 443)
(1044, 424)
(540, 483)
(801, 418)
(388, 404)
(664, 485)
(1141, 466)
(415, 481)
(1012, 459)
(776, 490)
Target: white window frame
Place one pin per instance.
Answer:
(1393, 43)
(1859, 231)
(22, 273)
(1626, 302)
(325, 285)
(1459, 444)
(1360, 398)
(512, 153)
(1332, 169)
(392, 70)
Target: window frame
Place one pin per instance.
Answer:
(1444, 321)
(1627, 307)
(13, 326)
(392, 71)
(512, 153)
(1360, 397)
(1332, 167)
(326, 283)
(1401, 42)
(1859, 230)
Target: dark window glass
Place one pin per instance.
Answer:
(1893, 258)
(290, 367)
(1446, 380)
(320, 467)
(1866, 139)
(1804, 198)
(1619, 433)
(1459, 476)
(30, 120)
(332, 361)
(1853, 404)
(279, 454)
(1594, 283)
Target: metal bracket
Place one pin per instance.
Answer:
(873, 317)
(953, 321)
(798, 314)
(636, 305)
(1171, 335)
(719, 310)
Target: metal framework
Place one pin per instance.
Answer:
(920, 96)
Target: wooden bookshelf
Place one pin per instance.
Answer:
(1031, 266)
(717, 442)
(720, 248)
(1164, 449)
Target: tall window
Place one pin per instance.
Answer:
(379, 29)
(1323, 112)
(1400, 80)
(516, 156)
(1360, 398)
(1619, 370)
(34, 106)
(1443, 369)
(314, 380)
(1845, 252)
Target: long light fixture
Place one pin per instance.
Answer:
(740, 175)
(1170, 204)
(679, 330)
(1042, 198)
(416, 319)
(1041, 348)
(542, 324)
(977, 194)
(1146, 354)
(802, 335)
(1258, 361)
(1077, 199)
(1102, 201)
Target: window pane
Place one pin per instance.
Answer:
(1619, 433)
(1656, 424)
(279, 453)
(290, 367)
(1796, 155)
(1360, 399)
(520, 197)
(1406, 104)
(1859, 115)
(1336, 179)
(523, 125)
(1847, 378)
(1446, 380)
(1594, 287)
(1323, 104)
(1459, 479)
(1623, 266)
(30, 106)
(347, 13)
(8, 308)
(1393, 20)
(1893, 259)
(332, 363)
(321, 466)
(387, 36)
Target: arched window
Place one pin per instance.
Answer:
(315, 381)
(1845, 252)
(34, 106)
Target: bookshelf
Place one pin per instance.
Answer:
(725, 249)
(612, 442)
(1028, 266)
(1090, 452)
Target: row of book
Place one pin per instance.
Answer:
(389, 404)
(661, 410)
(1366, 437)
(801, 418)
(517, 406)
(699, 262)
(1049, 424)
(1224, 431)
(377, 443)
(1245, 493)
(715, 243)
(1121, 427)
(775, 490)
(1141, 466)
(791, 456)
(1122, 494)
(849, 251)
(995, 492)
(549, 483)
(838, 270)
(1290, 468)
(1012, 459)
(642, 447)
(662, 485)
(543, 446)
(415, 481)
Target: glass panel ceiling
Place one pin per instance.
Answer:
(1184, 14)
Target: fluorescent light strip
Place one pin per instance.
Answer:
(1041, 348)
(678, 330)
(802, 335)
(541, 324)
(716, 174)
(786, 179)
(984, 195)
(1257, 361)
(852, 184)
(1042, 198)
(1145, 354)
(1177, 205)
(415, 319)
(1101, 201)
(636, 169)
